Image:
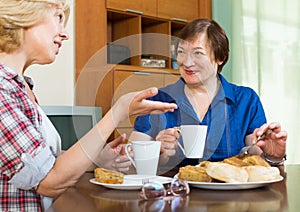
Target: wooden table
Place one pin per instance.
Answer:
(281, 196)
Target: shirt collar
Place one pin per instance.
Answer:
(227, 88)
(224, 93)
(10, 74)
(7, 72)
(176, 91)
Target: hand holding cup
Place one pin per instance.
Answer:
(146, 156)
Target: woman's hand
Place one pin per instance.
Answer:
(136, 103)
(274, 144)
(169, 143)
(112, 157)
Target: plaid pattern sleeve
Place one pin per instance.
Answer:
(19, 133)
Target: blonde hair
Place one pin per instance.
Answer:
(15, 15)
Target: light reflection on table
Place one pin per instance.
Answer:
(88, 197)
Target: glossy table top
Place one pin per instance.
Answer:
(280, 196)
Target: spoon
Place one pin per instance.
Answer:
(245, 149)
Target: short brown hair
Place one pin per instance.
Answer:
(216, 36)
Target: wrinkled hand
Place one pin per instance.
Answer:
(169, 144)
(111, 156)
(274, 144)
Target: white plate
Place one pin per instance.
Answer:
(133, 182)
(232, 186)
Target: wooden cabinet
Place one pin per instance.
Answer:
(145, 7)
(178, 9)
(205, 9)
(126, 80)
(88, 38)
(182, 10)
(144, 34)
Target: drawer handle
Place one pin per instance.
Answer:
(134, 11)
(179, 19)
(141, 73)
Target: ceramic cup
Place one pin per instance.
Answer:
(146, 156)
(193, 138)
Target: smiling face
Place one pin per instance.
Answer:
(196, 60)
(42, 41)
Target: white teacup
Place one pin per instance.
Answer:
(193, 138)
(146, 156)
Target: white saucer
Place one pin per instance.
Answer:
(133, 182)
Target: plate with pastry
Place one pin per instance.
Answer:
(232, 186)
(117, 180)
(233, 173)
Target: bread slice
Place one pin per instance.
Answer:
(194, 173)
(246, 160)
(262, 173)
(108, 176)
(236, 169)
(226, 172)
(204, 163)
(255, 160)
(235, 161)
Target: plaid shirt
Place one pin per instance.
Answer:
(19, 132)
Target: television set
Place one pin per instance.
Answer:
(72, 122)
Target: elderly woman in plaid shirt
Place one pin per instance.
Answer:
(32, 169)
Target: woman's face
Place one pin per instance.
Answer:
(43, 40)
(196, 61)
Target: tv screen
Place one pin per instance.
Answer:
(72, 122)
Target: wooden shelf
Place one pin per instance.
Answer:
(144, 27)
(145, 69)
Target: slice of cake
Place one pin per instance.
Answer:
(194, 173)
(108, 176)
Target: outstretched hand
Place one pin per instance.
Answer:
(136, 103)
(140, 105)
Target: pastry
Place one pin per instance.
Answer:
(108, 176)
(204, 163)
(235, 161)
(255, 160)
(194, 173)
(262, 173)
(226, 172)
(236, 169)
(246, 160)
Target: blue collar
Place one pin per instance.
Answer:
(176, 91)
(228, 88)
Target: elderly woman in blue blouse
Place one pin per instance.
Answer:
(234, 114)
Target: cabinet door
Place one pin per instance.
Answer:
(185, 10)
(90, 22)
(128, 81)
(170, 78)
(147, 7)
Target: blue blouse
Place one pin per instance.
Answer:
(233, 114)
